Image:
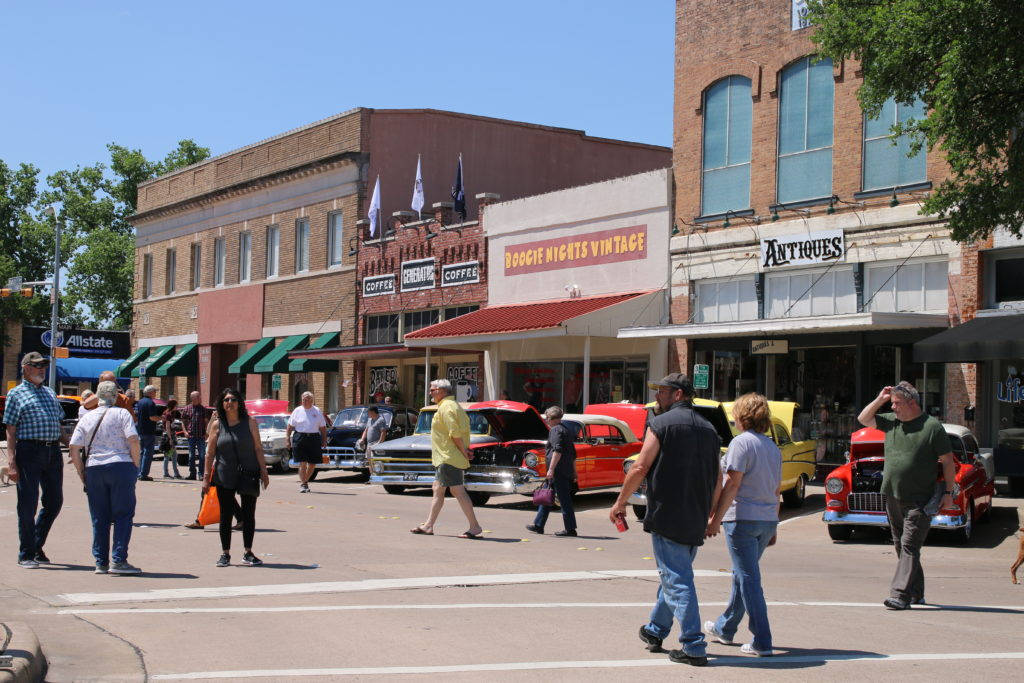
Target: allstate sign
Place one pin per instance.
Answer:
(46, 338)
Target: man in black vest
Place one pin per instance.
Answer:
(679, 459)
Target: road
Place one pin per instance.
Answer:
(347, 592)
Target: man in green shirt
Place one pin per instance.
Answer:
(450, 455)
(914, 443)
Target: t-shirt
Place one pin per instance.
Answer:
(912, 451)
(451, 421)
(760, 461)
(375, 429)
(146, 409)
(307, 421)
(561, 438)
(111, 442)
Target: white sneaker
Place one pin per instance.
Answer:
(748, 649)
(709, 628)
(28, 564)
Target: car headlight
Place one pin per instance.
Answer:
(834, 485)
(378, 467)
(530, 460)
(626, 464)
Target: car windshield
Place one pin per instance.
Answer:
(351, 417)
(477, 422)
(271, 421)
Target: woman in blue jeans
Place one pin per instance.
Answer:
(746, 505)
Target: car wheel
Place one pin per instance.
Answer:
(964, 534)
(840, 532)
(640, 511)
(394, 489)
(283, 465)
(795, 497)
(314, 474)
(479, 498)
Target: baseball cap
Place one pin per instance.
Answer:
(33, 357)
(675, 380)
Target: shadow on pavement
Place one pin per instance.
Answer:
(791, 658)
(288, 565)
(68, 567)
(974, 608)
(154, 524)
(157, 575)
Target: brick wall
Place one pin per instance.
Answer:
(166, 317)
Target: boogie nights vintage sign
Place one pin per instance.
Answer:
(572, 251)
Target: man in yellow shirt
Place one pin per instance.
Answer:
(450, 455)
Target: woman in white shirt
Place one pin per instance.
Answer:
(111, 468)
(311, 428)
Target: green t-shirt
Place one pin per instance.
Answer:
(912, 451)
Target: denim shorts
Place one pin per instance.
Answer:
(449, 475)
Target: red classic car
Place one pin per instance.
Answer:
(853, 491)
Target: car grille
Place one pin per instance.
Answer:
(866, 502)
(421, 467)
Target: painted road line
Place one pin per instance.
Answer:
(806, 514)
(593, 664)
(499, 605)
(369, 585)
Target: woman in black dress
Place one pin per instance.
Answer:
(235, 464)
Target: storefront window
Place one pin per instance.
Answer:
(727, 300)
(733, 373)
(1008, 412)
(416, 320)
(546, 384)
(913, 287)
(807, 293)
(382, 329)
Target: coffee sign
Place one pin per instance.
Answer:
(378, 285)
(803, 249)
(466, 273)
(417, 274)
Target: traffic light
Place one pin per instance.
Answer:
(26, 292)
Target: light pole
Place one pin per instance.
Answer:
(55, 295)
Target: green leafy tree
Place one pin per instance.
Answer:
(965, 60)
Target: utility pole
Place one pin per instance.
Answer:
(54, 295)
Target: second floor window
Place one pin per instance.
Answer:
(301, 245)
(416, 320)
(381, 329)
(914, 286)
(335, 239)
(728, 125)
(456, 311)
(805, 130)
(147, 276)
(273, 250)
(886, 163)
(218, 261)
(828, 291)
(244, 256)
(726, 300)
(197, 265)
(170, 267)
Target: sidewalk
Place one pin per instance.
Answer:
(21, 658)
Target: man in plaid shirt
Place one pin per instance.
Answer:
(32, 416)
(194, 417)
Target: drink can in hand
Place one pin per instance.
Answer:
(620, 522)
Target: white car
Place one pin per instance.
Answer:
(272, 435)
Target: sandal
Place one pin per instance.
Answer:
(421, 531)
(193, 525)
(470, 534)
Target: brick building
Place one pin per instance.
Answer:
(247, 258)
(801, 266)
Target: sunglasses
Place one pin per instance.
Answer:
(230, 399)
(39, 366)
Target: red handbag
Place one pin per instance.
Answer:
(545, 495)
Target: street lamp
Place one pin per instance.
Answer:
(55, 296)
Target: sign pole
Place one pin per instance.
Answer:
(55, 297)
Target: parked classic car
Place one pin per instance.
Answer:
(798, 456)
(348, 426)
(853, 494)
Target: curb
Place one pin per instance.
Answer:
(26, 657)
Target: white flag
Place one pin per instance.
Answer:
(417, 190)
(374, 213)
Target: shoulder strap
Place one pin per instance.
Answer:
(96, 429)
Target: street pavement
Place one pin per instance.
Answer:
(348, 592)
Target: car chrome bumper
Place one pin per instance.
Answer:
(882, 520)
(340, 458)
(497, 480)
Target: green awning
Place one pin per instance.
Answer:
(126, 367)
(317, 364)
(277, 360)
(185, 363)
(245, 362)
(157, 357)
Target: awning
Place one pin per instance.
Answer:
(845, 322)
(987, 337)
(156, 358)
(329, 340)
(370, 352)
(557, 317)
(247, 361)
(128, 365)
(277, 359)
(185, 363)
(85, 369)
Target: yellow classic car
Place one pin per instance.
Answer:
(798, 457)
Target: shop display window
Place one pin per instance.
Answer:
(1008, 408)
(726, 300)
(824, 291)
(561, 383)
(823, 382)
(733, 373)
(911, 287)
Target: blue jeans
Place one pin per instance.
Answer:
(39, 467)
(677, 596)
(747, 541)
(111, 492)
(171, 461)
(563, 489)
(147, 444)
(196, 455)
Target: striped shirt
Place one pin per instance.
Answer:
(34, 411)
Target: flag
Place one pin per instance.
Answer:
(417, 191)
(459, 192)
(374, 214)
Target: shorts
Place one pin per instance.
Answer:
(308, 448)
(450, 475)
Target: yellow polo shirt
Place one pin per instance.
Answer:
(450, 421)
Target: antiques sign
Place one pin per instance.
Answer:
(417, 274)
(570, 251)
(803, 249)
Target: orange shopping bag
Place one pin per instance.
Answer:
(209, 511)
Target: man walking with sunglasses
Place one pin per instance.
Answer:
(32, 416)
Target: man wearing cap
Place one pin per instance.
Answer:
(33, 416)
(679, 460)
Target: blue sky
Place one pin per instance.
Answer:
(78, 75)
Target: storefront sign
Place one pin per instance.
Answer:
(467, 371)
(80, 343)
(607, 246)
(417, 274)
(1012, 391)
(765, 346)
(803, 249)
(799, 15)
(383, 379)
(275, 382)
(701, 373)
(378, 285)
(460, 273)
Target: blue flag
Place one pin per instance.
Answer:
(459, 192)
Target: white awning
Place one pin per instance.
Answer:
(847, 322)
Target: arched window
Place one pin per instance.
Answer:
(727, 133)
(886, 164)
(805, 131)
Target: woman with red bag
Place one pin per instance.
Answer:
(561, 473)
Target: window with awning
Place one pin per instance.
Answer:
(184, 363)
(247, 361)
(133, 360)
(277, 359)
(157, 357)
(329, 340)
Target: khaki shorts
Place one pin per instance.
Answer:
(449, 475)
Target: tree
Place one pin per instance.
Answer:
(964, 59)
(26, 244)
